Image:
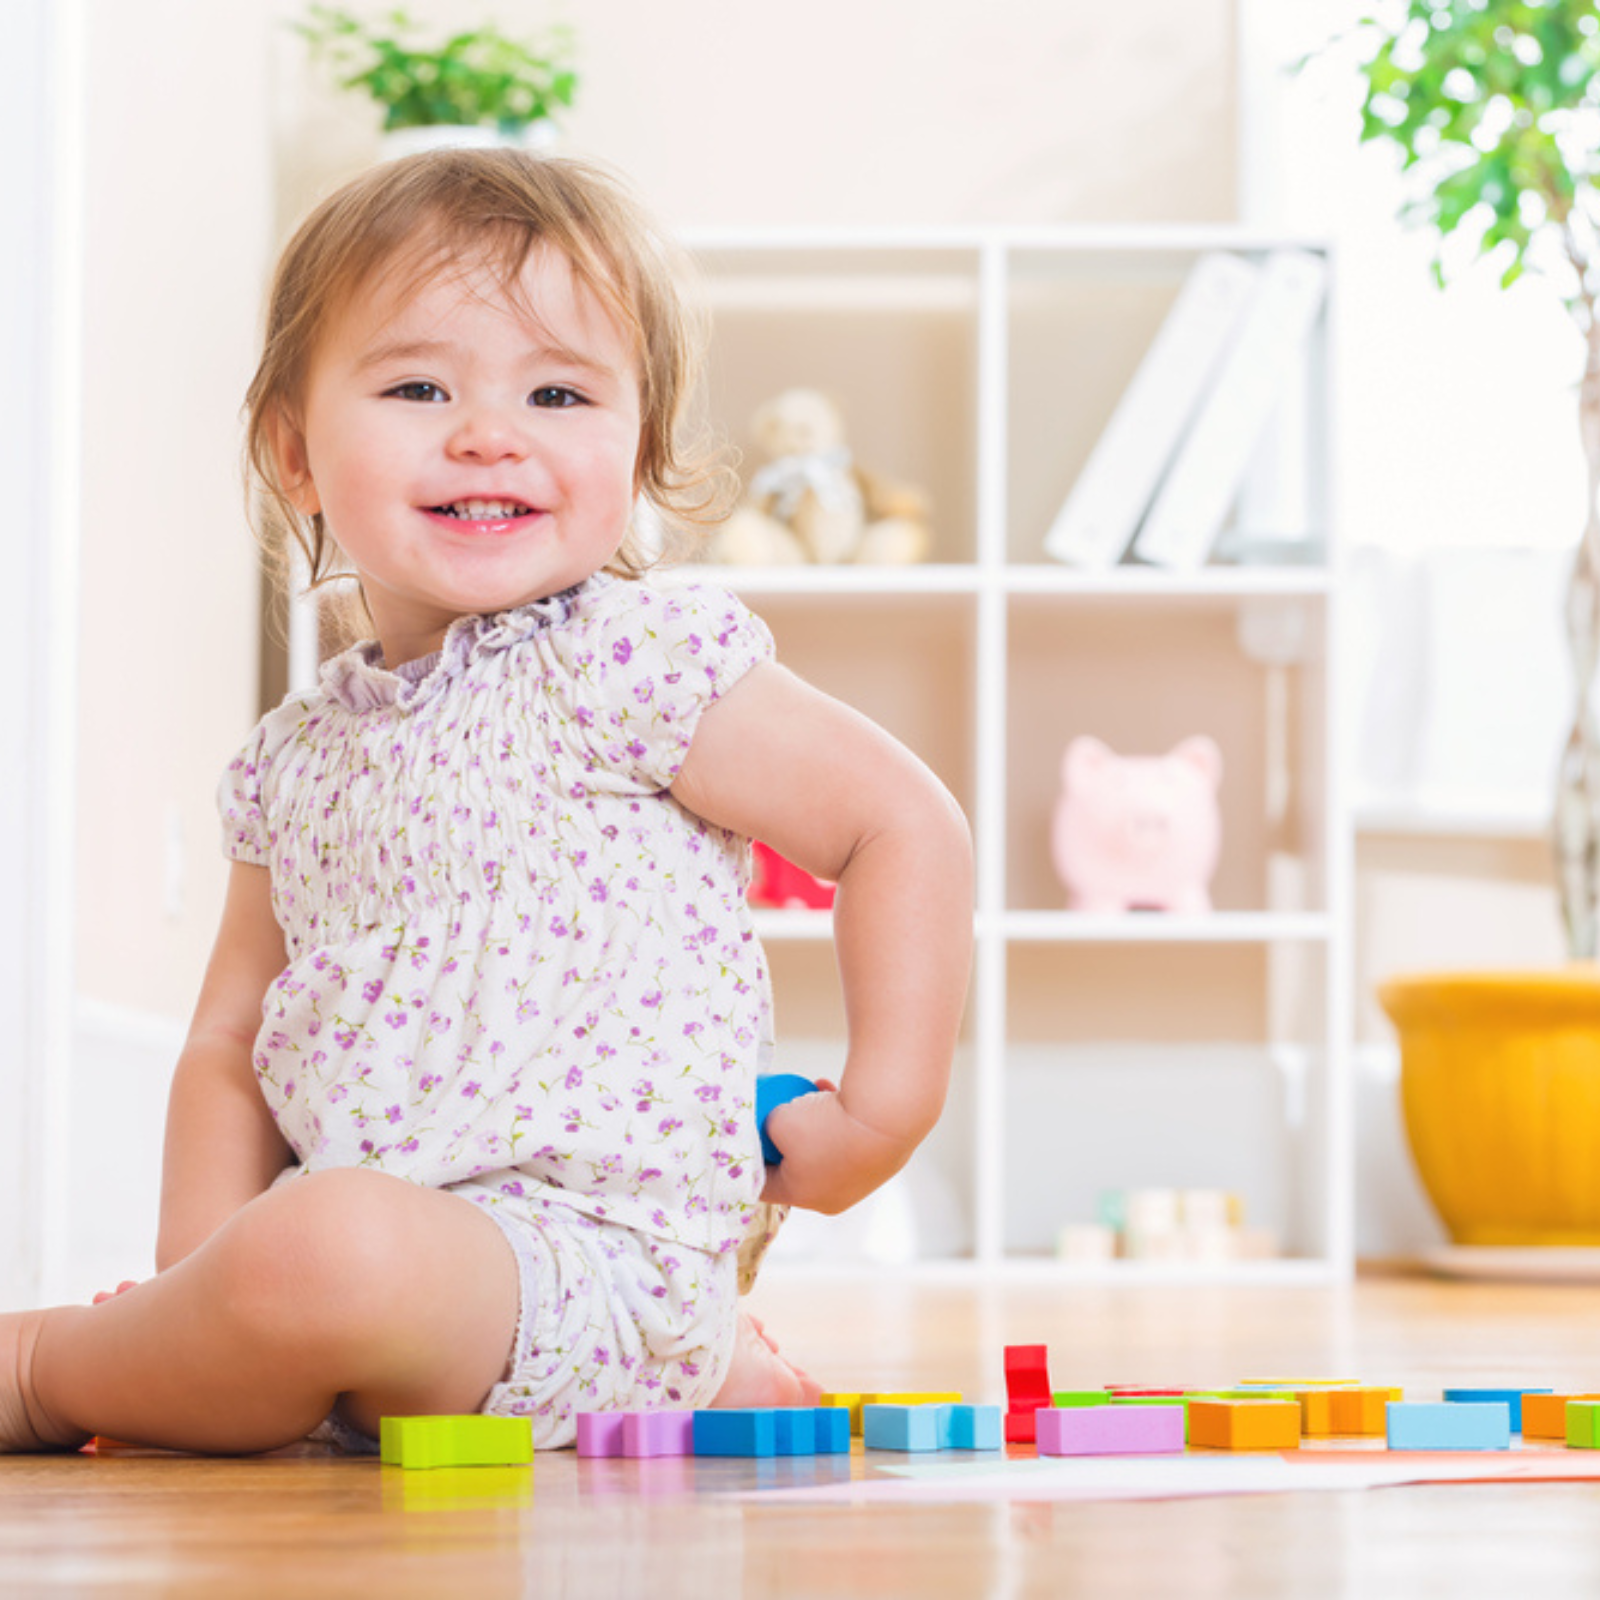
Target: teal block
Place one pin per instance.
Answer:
(833, 1431)
(900, 1427)
(973, 1428)
(736, 1433)
(795, 1431)
(1449, 1425)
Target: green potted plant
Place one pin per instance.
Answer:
(1493, 107)
(480, 79)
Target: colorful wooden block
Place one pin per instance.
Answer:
(600, 1433)
(1544, 1416)
(1081, 1397)
(1364, 1412)
(1511, 1397)
(1027, 1389)
(833, 1431)
(1110, 1430)
(1245, 1424)
(900, 1427)
(970, 1427)
(466, 1441)
(735, 1433)
(657, 1433)
(774, 1090)
(1449, 1425)
(1583, 1424)
(795, 1431)
(848, 1403)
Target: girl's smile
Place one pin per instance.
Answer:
(470, 449)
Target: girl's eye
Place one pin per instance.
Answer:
(554, 397)
(419, 389)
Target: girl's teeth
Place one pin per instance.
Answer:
(479, 510)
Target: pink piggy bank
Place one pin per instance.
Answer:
(1138, 833)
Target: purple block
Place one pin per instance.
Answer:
(658, 1433)
(1111, 1431)
(600, 1433)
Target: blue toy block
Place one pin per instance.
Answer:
(900, 1427)
(736, 1433)
(772, 1091)
(1511, 1397)
(1449, 1425)
(795, 1430)
(971, 1427)
(833, 1431)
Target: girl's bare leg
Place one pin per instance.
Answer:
(349, 1287)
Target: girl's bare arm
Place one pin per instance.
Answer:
(780, 761)
(222, 1146)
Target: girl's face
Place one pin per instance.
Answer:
(466, 457)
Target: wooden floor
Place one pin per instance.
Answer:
(300, 1523)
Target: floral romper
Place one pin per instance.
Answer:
(521, 971)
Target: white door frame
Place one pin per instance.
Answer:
(41, 137)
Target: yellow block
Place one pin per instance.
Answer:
(1245, 1424)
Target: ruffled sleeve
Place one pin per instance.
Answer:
(650, 661)
(246, 832)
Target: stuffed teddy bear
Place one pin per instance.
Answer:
(809, 502)
(1138, 833)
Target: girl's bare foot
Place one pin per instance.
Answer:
(759, 1376)
(24, 1423)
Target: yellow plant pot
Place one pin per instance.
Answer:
(1500, 1084)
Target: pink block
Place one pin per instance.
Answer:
(1111, 1431)
(658, 1433)
(600, 1433)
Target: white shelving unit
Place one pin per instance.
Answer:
(1137, 1051)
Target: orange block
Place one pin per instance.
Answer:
(1544, 1416)
(1364, 1412)
(1245, 1424)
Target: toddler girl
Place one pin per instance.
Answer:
(464, 1120)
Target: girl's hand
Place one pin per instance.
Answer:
(111, 1294)
(831, 1159)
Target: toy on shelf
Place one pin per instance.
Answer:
(809, 502)
(1138, 833)
(1191, 1225)
(777, 884)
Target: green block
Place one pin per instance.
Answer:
(1583, 1424)
(456, 1441)
(1080, 1397)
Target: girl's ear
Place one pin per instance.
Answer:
(288, 445)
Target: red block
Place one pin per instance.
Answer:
(1027, 1390)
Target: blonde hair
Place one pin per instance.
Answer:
(422, 215)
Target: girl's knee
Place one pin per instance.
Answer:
(317, 1253)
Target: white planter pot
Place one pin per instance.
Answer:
(538, 136)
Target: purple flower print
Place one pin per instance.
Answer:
(471, 1090)
(372, 991)
(597, 892)
(622, 652)
(394, 1114)
(574, 1079)
(709, 1091)
(668, 1126)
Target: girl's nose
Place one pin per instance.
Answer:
(487, 434)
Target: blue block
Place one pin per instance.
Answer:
(795, 1431)
(973, 1428)
(833, 1431)
(735, 1433)
(772, 1091)
(900, 1427)
(1449, 1425)
(1511, 1397)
